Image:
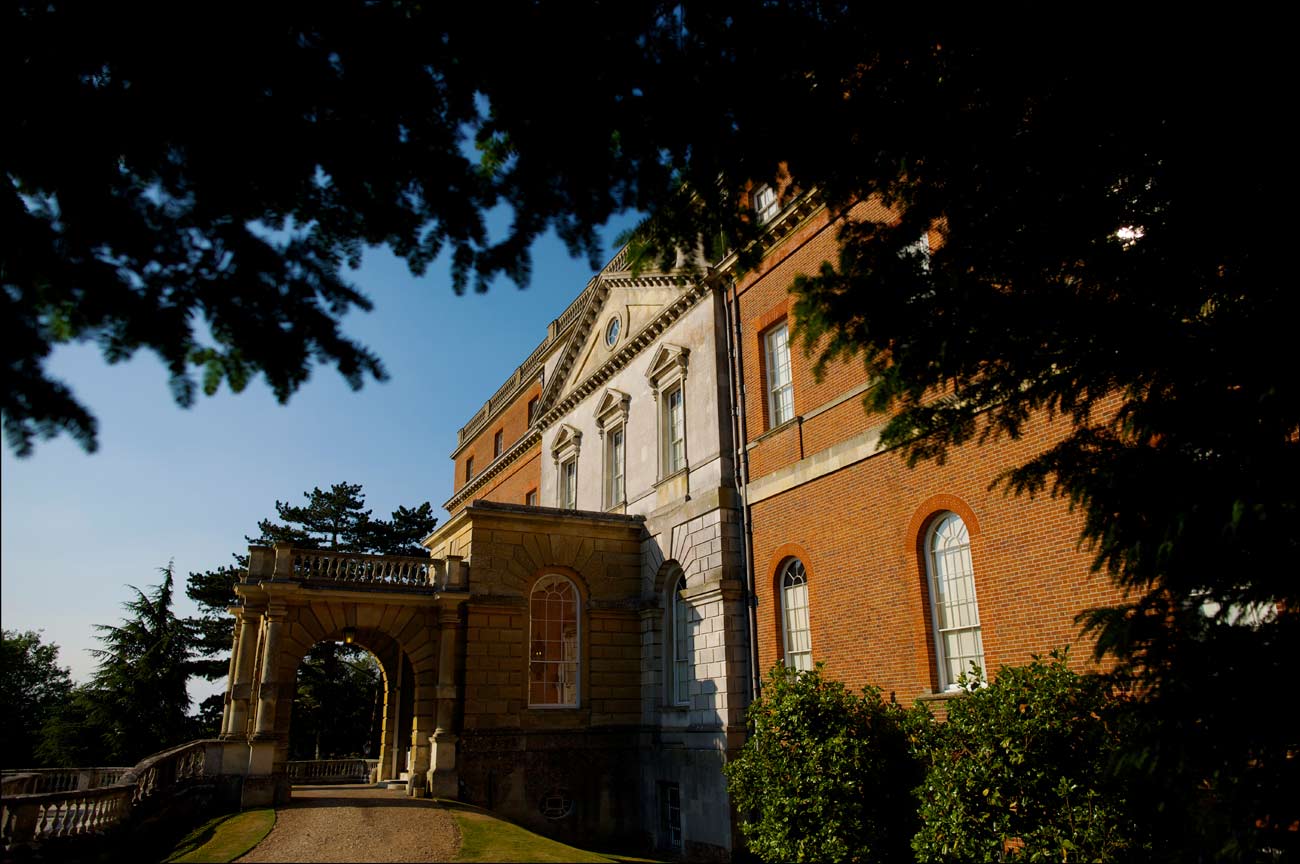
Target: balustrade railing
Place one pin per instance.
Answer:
(33, 781)
(355, 567)
(354, 770)
(27, 818)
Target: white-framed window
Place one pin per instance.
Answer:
(795, 632)
(531, 498)
(765, 204)
(667, 377)
(497, 441)
(674, 430)
(954, 611)
(554, 640)
(611, 424)
(780, 389)
(682, 643)
(569, 483)
(565, 449)
(614, 466)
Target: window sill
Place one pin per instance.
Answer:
(775, 430)
(561, 716)
(958, 693)
(673, 476)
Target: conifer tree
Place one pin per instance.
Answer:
(137, 702)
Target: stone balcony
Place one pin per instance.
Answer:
(330, 569)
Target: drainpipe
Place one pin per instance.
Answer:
(740, 462)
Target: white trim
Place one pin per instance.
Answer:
(964, 581)
(778, 361)
(576, 661)
(792, 654)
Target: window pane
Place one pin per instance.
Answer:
(553, 668)
(794, 608)
(952, 593)
(682, 643)
(780, 389)
(676, 444)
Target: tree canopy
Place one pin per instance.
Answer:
(33, 686)
(1106, 193)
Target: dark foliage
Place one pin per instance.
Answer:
(1104, 191)
(33, 686)
(1023, 770)
(826, 774)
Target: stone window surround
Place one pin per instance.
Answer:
(611, 414)
(677, 603)
(566, 448)
(668, 370)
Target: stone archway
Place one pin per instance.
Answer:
(397, 607)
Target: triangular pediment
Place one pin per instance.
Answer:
(566, 437)
(612, 402)
(618, 308)
(668, 360)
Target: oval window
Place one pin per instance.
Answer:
(611, 331)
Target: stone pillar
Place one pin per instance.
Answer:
(283, 561)
(388, 769)
(230, 678)
(417, 784)
(239, 684)
(443, 777)
(268, 690)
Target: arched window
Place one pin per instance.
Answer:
(955, 613)
(683, 648)
(794, 615)
(554, 641)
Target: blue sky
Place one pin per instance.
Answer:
(169, 484)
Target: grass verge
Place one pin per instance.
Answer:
(485, 837)
(223, 838)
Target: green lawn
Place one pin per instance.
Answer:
(223, 838)
(485, 837)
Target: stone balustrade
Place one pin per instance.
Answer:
(355, 770)
(34, 781)
(30, 818)
(355, 568)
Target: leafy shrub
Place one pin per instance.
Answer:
(826, 775)
(1021, 771)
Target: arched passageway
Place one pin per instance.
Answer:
(392, 606)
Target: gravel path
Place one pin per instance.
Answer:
(358, 823)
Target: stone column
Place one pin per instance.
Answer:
(239, 685)
(422, 710)
(230, 678)
(443, 777)
(269, 687)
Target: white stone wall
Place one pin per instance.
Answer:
(705, 416)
